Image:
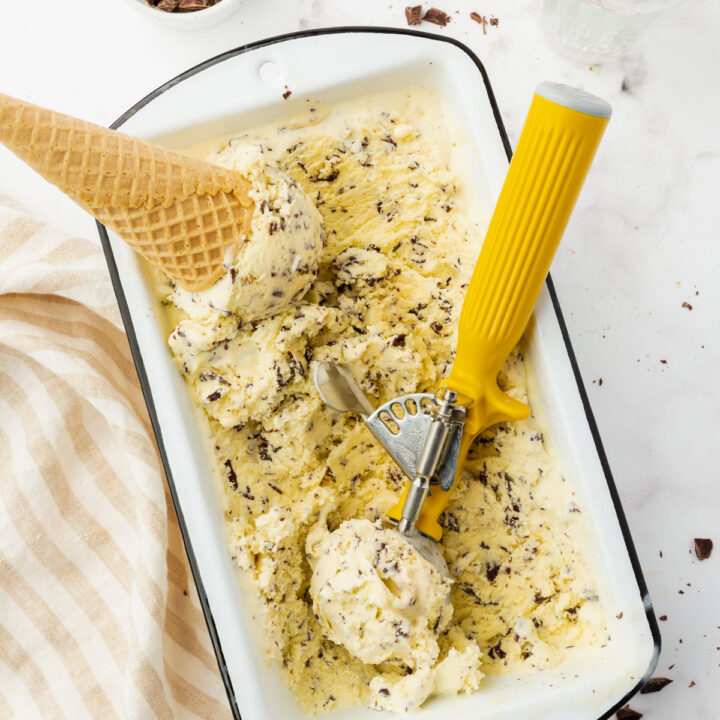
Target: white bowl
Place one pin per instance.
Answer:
(188, 20)
(332, 65)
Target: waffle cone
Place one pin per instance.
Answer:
(181, 214)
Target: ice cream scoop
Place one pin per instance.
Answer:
(188, 217)
(557, 145)
(561, 134)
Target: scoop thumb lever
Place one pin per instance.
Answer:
(558, 143)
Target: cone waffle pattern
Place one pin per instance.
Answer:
(179, 213)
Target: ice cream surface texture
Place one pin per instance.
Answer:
(402, 237)
(377, 596)
(277, 263)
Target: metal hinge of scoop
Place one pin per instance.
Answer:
(401, 425)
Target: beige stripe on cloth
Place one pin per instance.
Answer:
(99, 617)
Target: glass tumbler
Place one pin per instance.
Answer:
(594, 31)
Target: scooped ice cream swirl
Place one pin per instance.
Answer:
(277, 263)
(376, 595)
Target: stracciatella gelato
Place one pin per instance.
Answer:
(401, 240)
(377, 596)
(277, 263)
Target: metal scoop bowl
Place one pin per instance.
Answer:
(401, 426)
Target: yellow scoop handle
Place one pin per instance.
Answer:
(553, 155)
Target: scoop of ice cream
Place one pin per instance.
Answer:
(277, 263)
(375, 594)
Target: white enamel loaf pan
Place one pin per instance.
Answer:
(243, 88)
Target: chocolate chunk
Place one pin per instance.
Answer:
(491, 571)
(212, 397)
(436, 327)
(627, 713)
(182, 5)
(190, 5)
(398, 340)
(496, 651)
(437, 17)
(703, 548)
(384, 691)
(413, 14)
(654, 685)
(231, 476)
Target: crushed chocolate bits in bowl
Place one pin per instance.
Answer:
(186, 14)
(182, 5)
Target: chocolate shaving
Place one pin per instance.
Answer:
(627, 713)
(703, 548)
(437, 17)
(231, 476)
(654, 685)
(413, 14)
(687, 305)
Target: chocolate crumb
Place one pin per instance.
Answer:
(437, 17)
(703, 548)
(413, 15)
(687, 305)
(692, 684)
(619, 616)
(654, 685)
(627, 713)
(287, 93)
(663, 618)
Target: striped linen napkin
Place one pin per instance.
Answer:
(99, 617)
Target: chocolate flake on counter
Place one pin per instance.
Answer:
(692, 684)
(231, 476)
(413, 15)
(437, 17)
(687, 305)
(287, 93)
(654, 685)
(480, 20)
(663, 618)
(703, 548)
(627, 713)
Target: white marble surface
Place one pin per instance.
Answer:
(645, 237)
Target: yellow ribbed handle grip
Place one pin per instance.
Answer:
(557, 145)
